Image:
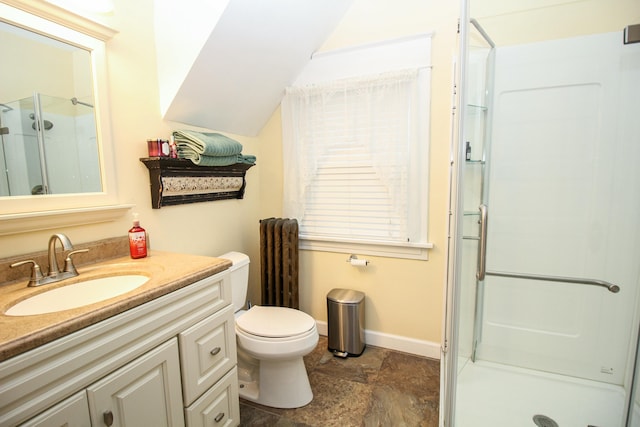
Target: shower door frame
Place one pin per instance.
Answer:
(451, 329)
(40, 128)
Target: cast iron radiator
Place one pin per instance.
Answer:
(279, 262)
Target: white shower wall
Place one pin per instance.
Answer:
(564, 200)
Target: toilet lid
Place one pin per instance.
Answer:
(274, 322)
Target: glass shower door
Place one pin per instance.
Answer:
(476, 143)
(550, 335)
(461, 317)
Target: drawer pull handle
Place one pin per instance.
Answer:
(108, 418)
(219, 417)
(215, 351)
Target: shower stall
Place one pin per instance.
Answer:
(48, 146)
(543, 308)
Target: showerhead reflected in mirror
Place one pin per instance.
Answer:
(48, 139)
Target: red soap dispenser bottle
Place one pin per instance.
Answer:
(137, 239)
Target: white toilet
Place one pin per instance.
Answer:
(271, 343)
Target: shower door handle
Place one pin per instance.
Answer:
(482, 244)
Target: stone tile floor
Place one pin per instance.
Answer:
(380, 388)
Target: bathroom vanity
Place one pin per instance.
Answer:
(163, 354)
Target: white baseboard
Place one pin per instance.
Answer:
(394, 342)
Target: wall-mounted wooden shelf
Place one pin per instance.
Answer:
(179, 181)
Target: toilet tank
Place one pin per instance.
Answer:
(239, 274)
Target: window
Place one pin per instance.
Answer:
(356, 162)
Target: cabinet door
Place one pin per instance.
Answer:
(146, 392)
(217, 407)
(71, 412)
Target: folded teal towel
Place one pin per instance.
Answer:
(201, 160)
(207, 144)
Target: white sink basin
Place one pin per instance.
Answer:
(77, 295)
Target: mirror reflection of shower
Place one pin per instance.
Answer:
(48, 146)
(4, 178)
(75, 101)
(47, 124)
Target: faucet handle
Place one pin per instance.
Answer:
(68, 262)
(36, 272)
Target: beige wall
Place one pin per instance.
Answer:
(404, 297)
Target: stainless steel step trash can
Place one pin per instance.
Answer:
(345, 318)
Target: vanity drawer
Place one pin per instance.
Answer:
(207, 353)
(73, 411)
(218, 407)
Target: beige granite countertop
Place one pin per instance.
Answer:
(167, 271)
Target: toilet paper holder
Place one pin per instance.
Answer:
(353, 260)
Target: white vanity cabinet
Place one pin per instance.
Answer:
(168, 362)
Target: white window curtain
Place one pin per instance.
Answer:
(356, 158)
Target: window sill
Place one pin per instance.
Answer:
(383, 249)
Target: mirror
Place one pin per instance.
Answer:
(48, 141)
(58, 104)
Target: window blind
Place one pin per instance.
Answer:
(355, 158)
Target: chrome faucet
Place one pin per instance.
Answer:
(54, 274)
(54, 270)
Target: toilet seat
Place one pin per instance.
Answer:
(275, 322)
(276, 333)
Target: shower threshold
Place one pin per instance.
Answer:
(495, 395)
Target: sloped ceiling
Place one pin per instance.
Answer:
(232, 71)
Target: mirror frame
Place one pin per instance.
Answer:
(30, 213)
